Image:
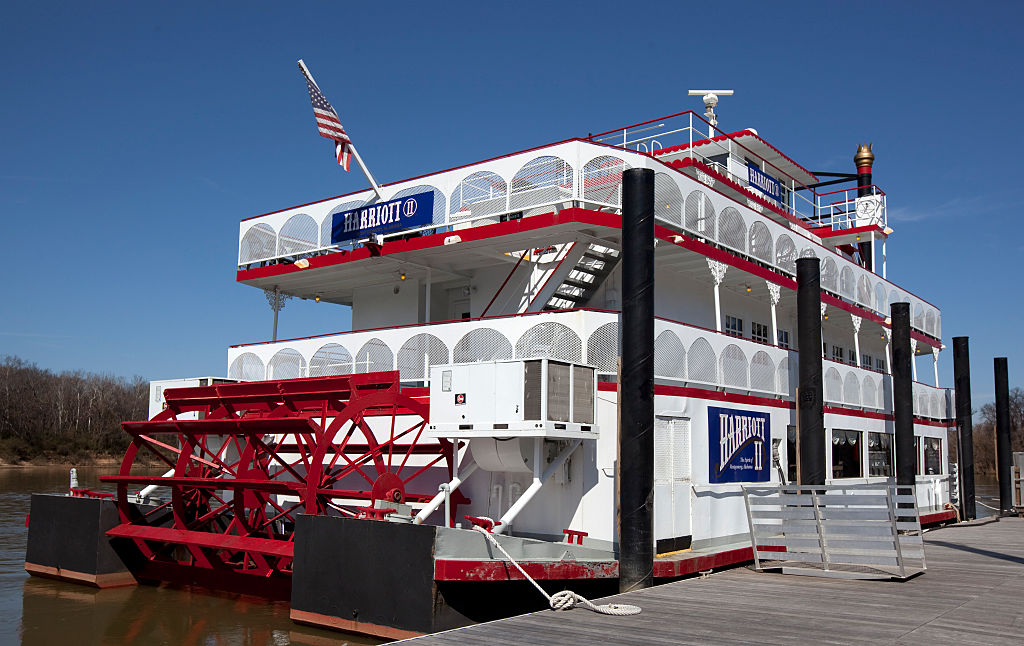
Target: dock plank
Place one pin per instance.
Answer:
(971, 593)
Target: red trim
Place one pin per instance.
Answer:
(664, 567)
(671, 568)
(683, 163)
(829, 299)
(754, 400)
(829, 232)
(863, 170)
(722, 255)
(497, 570)
(938, 517)
(391, 247)
(736, 136)
(701, 393)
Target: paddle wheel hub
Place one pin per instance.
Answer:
(244, 460)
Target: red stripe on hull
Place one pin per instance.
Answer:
(494, 570)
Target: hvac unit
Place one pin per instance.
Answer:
(525, 398)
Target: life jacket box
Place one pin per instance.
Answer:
(523, 398)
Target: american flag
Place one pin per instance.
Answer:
(328, 123)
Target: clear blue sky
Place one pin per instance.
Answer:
(135, 136)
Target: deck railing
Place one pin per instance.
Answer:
(684, 355)
(579, 173)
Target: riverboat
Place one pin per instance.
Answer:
(479, 386)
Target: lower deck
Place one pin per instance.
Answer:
(970, 594)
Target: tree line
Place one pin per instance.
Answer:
(68, 416)
(985, 433)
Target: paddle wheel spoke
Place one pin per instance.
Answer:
(422, 425)
(424, 468)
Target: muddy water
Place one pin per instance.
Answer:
(39, 612)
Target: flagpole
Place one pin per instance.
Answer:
(366, 171)
(355, 153)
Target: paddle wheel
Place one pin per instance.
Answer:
(243, 460)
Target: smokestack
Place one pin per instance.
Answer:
(964, 425)
(811, 405)
(1003, 457)
(636, 386)
(903, 395)
(864, 159)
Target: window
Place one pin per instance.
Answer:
(879, 454)
(791, 454)
(784, 339)
(932, 456)
(838, 353)
(866, 362)
(880, 365)
(846, 451)
(853, 357)
(733, 326)
(759, 332)
(917, 455)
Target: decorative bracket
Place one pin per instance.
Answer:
(718, 270)
(774, 292)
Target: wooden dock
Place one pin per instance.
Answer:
(972, 593)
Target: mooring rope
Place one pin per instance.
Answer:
(566, 599)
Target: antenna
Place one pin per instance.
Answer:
(710, 101)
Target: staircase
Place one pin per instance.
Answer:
(584, 279)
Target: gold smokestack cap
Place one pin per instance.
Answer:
(864, 156)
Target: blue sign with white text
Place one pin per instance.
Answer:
(384, 217)
(764, 182)
(739, 445)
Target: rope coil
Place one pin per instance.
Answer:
(566, 599)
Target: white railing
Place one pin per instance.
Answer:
(683, 355)
(678, 134)
(528, 183)
(845, 209)
(696, 208)
(851, 386)
(579, 173)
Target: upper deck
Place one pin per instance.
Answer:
(485, 215)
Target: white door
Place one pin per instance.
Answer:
(458, 309)
(672, 488)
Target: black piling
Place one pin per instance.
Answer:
(811, 405)
(903, 395)
(1003, 457)
(636, 388)
(964, 425)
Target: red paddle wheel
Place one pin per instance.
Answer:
(244, 459)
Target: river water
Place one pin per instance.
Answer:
(40, 612)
